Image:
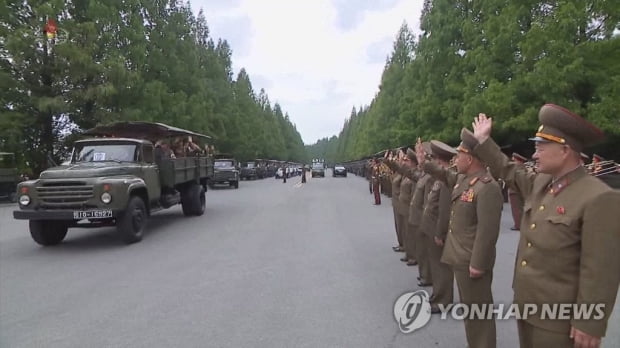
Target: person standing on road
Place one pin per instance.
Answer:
(472, 233)
(416, 210)
(396, 179)
(569, 246)
(376, 180)
(435, 222)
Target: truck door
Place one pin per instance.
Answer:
(150, 173)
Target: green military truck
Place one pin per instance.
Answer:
(252, 170)
(8, 176)
(115, 178)
(225, 170)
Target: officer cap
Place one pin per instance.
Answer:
(442, 150)
(468, 142)
(559, 125)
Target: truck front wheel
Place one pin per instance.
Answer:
(131, 224)
(193, 200)
(48, 232)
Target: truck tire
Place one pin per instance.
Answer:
(235, 184)
(13, 197)
(193, 200)
(132, 223)
(48, 233)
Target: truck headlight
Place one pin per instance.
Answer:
(24, 200)
(106, 197)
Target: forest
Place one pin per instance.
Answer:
(107, 61)
(503, 58)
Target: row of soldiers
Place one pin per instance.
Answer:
(447, 207)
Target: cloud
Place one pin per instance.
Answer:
(378, 51)
(350, 12)
(307, 61)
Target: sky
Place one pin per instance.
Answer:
(316, 58)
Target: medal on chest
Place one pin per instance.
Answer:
(467, 196)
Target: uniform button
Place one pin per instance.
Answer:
(529, 244)
(523, 263)
(532, 226)
(449, 231)
(541, 208)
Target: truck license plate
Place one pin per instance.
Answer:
(92, 214)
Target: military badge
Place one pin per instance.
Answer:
(467, 196)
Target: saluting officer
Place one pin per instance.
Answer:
(435, 221)
(416, 209)
(472, 233)
(396, 180)
(569, 247)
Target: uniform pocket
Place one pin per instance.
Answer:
(560, 219)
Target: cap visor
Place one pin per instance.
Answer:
(539, 139)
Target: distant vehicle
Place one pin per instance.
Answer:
(225, 171)
(339, 171)
(251, 171)
(8, 176)
(318, 169)
(115, 179)
(279, 173)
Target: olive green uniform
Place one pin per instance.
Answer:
(569, 249)
(404, 199)
(435, 221)
(472, 234)
(396, 180)
(416, 209)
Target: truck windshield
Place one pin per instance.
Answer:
(317, 166)
(249, 165)
(104, 152)
(222, 164)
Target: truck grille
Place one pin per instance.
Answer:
(223, 176)
(64, 194)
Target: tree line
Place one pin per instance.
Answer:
(149, 60)
(503, 58)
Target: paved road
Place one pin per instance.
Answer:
(269, 265)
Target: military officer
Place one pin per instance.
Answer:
(410, 177)
(408, 172)
(396, 179)
(435, 220)
(516, 201)
(472, 233)
(376, 181)
(568, 249)
(416, 208)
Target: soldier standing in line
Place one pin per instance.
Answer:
(472, 233)
(568, 249)
(408, 169)
(396, 180)
(376, 177)
(435, 221)
(516, 201)
(416, 209)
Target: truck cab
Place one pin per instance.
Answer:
(225, 170)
